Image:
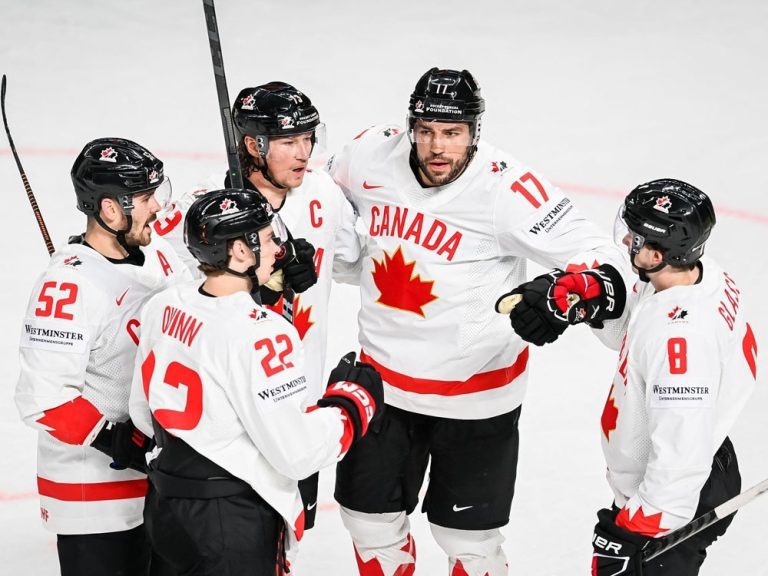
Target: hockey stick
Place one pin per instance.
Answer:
(235, 174)
(27, 187)
(661, 545)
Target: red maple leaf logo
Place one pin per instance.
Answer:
(399, 287)
(610, 415)
(301, 316)
(646, 525)
(675, 310)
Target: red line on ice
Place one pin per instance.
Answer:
(570, 187)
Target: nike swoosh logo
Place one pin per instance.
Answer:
(310, 506)
(370, 186)
(460, 508)
(119, 301)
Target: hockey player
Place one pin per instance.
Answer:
(224, 380)
(451, 221)
(77, 349)
(687, 366)
(278, 127)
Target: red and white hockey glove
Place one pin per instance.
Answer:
(356, 388)
(601, 295)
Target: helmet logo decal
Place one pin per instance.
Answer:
(228, 206)
(295, 98)
(253, 239)
(419, 106)
(441, 86)
(663, 204)
(286, 122)
(249, 102)
(108, 155)
(153, 177)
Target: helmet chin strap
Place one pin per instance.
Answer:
(119, 234)
(268, 177)
(643, 272)
(249, 273)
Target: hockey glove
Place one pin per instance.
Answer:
(125, 443)
(299, 269)
(601, 295)
(356, 388)
(533, 314)
(616, 551)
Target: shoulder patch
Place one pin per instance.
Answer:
(54, 335)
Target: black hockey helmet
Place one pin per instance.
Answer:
(447, 96)
(115, 168)
(672, 216)
(219, 216)
(273, 110)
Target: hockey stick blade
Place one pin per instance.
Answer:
(661, 545)
(24, 180)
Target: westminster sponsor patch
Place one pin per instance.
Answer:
(271, 398)
(542, 223)
(681, 394)
(52, 335)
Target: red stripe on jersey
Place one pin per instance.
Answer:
(93, 492)
(477, 383)
(71, 422)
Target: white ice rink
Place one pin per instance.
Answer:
(598, 95)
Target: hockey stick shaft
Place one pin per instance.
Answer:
(25, 181)
(235, 174)
(704, 521)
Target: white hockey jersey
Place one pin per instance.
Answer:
(437, 259)
(227, 376)
(317, 211)
(77, 349)
(687, 366)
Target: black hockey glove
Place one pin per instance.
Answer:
(356, 388)
(125, 443)
(299, 270)
(601, 295)
(616, 552)
(533, 314)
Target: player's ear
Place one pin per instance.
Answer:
(251, 146)
(110, 211)
(657, 257)
(238, 252)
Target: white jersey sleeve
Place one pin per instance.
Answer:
(536, 220)
(63, 322)
(347, 261)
